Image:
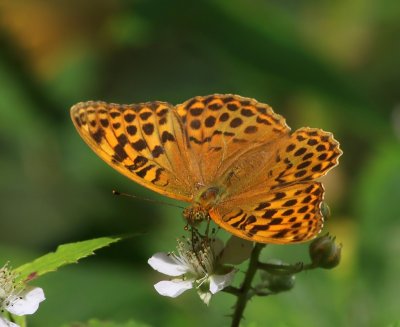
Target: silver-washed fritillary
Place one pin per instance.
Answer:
(232, 158)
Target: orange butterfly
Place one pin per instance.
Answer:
(232, 158)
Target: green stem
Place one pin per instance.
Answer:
(232, 290)
(284, 269)
(280, 269)
(243, 296)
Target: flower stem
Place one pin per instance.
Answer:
(232, 290)
(243, 296)
(283, 269)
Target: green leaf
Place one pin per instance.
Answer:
(65, 254)
(98, 323)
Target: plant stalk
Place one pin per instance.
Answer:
(243, 295)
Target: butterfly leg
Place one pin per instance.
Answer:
(208, 226)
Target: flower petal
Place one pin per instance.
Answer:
(236, 251)
(205, 296)
(173, 288)
(217, 246)
(219, 282)
(166, 264)
(5, 323)
(27, 302)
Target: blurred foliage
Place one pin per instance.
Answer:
(328, 64)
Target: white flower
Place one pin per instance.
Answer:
(200, 264)
(15, 298)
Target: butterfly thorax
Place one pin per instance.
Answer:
(202, 203)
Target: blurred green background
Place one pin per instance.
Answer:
(327, 64)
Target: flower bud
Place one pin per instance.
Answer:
(281, 283)
(325, 252)
(277, 282)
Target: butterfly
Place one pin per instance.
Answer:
(232, 158)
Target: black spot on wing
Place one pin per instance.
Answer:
(281, 234)
(139, 145)
(122, 139)
(98, 135)
(120, 154)
(157, 151)
(145, 115)
(142, 173)
(131, 129)
(269, 213)
(262, 205)
(167, 136)
(139, 162)
(148, 128)
(210, 121)
(129, 117)
(104, 122)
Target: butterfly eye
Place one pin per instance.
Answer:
(194, 215)
(210, 194)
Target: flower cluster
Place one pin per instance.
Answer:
(202, 263)
(16, 298)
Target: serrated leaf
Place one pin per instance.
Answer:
(65, 254)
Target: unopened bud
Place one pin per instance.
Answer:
(278, 282)
(281, 283)
(325, 252)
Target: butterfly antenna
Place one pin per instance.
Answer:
(115, 192)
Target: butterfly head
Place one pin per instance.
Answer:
(195, 215)
(202, 204)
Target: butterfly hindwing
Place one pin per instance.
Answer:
(273, 197)
(308, 154)
(305, 155)
(290, 215)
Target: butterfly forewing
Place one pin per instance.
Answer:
(145, 142)
(221, 128)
